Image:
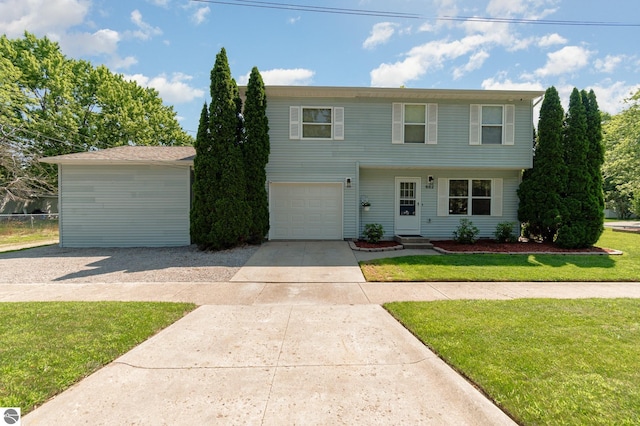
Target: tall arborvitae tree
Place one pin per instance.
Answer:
(228, 210)
(595, 160)
(256, 149)
(203, 196)
(542, 186)
(576, 211)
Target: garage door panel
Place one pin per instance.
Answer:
(306, 210)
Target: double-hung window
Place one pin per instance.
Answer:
(491, 125)
(469, 197)
(316, 123)
(414, 123)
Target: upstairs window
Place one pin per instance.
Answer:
(316, 123)
(491, 125)
(414, 123)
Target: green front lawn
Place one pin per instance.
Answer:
(508, 267)
(569, 362)
(45, 347)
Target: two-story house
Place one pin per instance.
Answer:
(422, 159)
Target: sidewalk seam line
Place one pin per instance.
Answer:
(275, 369)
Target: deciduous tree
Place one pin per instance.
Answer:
(60, 105)
(621, 169)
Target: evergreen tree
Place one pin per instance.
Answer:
(540, 192)
(219, 174)
(595, 160)
(256, 155)
(202, 196)
(577, 202)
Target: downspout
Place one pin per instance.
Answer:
(357, 182)
(60, 207)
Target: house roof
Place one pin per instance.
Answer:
(129, 155)
(397, 93)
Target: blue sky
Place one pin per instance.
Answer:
(171, 44)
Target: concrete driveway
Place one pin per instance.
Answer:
(302, 262)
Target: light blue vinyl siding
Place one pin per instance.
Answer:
(368, 156)
(367, 137)
(378, 186)
(124, 206)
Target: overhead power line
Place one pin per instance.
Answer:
(316, 9)
(388, 14)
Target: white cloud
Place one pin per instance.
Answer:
(41, 17)
(293, 20)
(507, 84)
(200, 15)
(526, 8)
(429, 56)
(564, 61)
(611, 95)
(380, 34)
(102, 42)
(161, 3)
(172, 90)
(475, 62)
(145, 31)
(609, 63)
(118, 63)
(551, 40)
(283, 77)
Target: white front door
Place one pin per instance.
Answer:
(407, 206)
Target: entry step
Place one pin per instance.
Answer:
(414, 241)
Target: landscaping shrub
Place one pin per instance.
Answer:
(466, 233)
(373, 232)
(504, 233)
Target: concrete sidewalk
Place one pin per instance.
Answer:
(253, 293)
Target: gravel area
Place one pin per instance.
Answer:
(53, 264)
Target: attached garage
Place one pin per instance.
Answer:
(306, 211)
(125, 197)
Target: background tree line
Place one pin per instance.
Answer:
(230, 204)
(53, 105)
(621, 169)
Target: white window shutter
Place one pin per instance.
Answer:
(295, 125)
(338, 123)
(397, 128)
(432, 124)
(496, 198)
(443, 197)
(474, 125)
(509, 124)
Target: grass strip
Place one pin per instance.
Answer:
(515, 267)
(45, 347)
(544, 361)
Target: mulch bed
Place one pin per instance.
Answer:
(492, 246)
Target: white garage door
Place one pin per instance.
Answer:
(305, 211)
